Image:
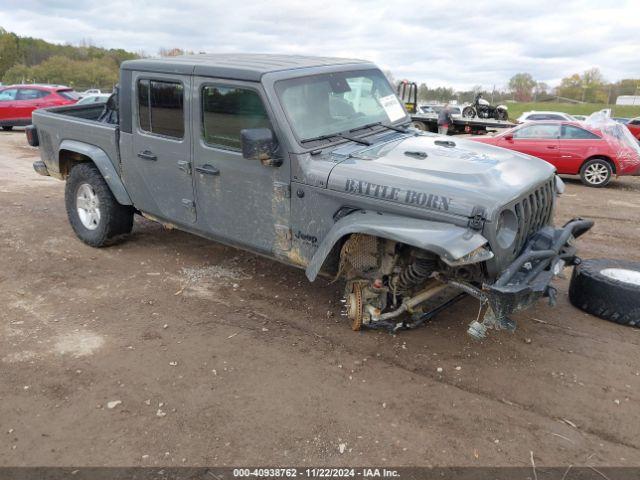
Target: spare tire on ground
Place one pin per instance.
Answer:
(609, 289)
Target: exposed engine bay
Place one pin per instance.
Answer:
(386, 279)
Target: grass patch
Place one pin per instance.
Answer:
(629, 111)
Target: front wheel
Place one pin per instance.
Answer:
(420, 125)
(95, 215)
(501, 114)
(596, 173)
(7, 128)
(469, 112)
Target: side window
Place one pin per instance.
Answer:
(8, 95)
(161, 107)
(538, 132)
(571, 132)
(226, 111)
(535, 116)
(30, 94)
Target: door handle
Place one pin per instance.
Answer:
(551, 147)
(208, 170)
(147, 155)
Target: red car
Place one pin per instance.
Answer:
(18, 101)
(575, 149)
(634, 127)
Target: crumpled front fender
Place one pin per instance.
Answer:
(450, 242)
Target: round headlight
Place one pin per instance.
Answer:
(507, 228)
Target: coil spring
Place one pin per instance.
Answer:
(415, 274)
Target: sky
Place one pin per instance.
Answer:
(458, 44)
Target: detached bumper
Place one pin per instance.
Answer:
(529, 276)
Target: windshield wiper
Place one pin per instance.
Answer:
(385, 125)
(361, 141)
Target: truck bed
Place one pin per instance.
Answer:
(75, 123)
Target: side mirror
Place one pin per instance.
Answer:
(508, 137)
(259, 144)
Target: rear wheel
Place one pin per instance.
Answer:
(596, 173)
(469, 112)
(7, 128)
(420, 126)
(95, 215)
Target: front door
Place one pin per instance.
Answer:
(158, 171)
(240, 201)
(537, 139)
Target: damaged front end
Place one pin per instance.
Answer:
(529, 276)
(394, 288)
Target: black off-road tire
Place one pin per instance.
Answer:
(115, 219)
(7, 128)
(420, 125)
(597, 163)
(613, 295)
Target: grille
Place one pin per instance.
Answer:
(533, 212)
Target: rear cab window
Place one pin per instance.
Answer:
(161, 107)
(226, 110)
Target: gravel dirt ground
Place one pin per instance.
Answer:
(168, 349)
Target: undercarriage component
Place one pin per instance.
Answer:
(415, 273)
(410, 303)
(364, 301)
(417, 319)
(355, 306)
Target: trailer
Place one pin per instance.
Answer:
(408, 93)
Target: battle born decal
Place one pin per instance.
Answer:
(409, 197)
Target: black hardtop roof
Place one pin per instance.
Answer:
(237, 66)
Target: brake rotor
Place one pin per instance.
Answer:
(355, 307)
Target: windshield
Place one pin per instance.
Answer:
(322, 105)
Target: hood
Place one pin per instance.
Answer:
(439, 173)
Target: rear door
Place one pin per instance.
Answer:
(576, 144)
(158, 173)
(537, 139)
(239, 200)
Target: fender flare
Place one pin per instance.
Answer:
(450, 242)
(104, 164)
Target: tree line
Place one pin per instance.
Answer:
(589, 86)
(32, 60)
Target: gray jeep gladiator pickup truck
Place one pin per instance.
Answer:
(313, 162)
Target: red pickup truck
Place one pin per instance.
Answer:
(574, 148)
(17, 102)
